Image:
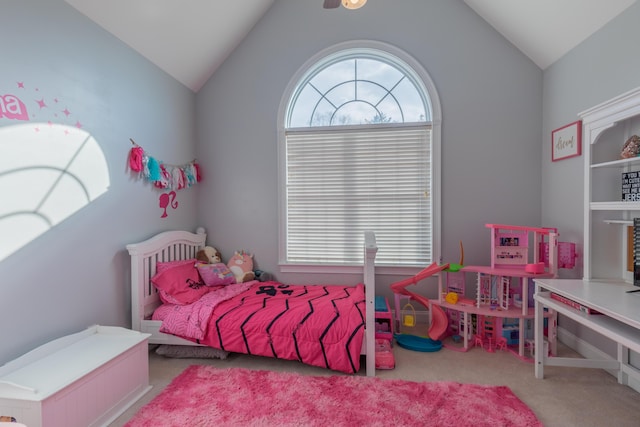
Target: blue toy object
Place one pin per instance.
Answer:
(416, 343)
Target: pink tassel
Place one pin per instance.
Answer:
(163, 182)
(183, 179)
(135, 159)
(197, 168)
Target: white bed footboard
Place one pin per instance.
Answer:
(370, 250)
(180, 245)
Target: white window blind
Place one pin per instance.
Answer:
(341, 182)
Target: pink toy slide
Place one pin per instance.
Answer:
(439, 321)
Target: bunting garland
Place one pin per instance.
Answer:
(163, 175)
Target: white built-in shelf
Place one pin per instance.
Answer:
(615, 206)
(607, 125)
(618, 221)
(617, 163)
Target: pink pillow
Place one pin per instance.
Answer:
(182, 283)
(215, 274)
(162, 266)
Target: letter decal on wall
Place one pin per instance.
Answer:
(13, 108)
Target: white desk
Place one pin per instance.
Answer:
(619, 321)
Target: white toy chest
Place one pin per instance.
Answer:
(81, 380)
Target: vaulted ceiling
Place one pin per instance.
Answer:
(189, 39)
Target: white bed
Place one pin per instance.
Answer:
(179, 245)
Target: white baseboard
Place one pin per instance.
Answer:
(588, 350)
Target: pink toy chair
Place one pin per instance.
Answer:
(501, 343)
(478, 341)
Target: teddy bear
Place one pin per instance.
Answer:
(209, 254)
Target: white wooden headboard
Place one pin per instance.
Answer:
(163, 247)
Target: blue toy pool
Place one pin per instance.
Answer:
(415, 343)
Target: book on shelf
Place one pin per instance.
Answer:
(631, 186)
(636, 251)
(574, 304)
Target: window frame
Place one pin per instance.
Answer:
(425, 84)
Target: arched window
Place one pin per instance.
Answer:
(359, 150)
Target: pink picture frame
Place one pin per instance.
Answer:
(566, 142)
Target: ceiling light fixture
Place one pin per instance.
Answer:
(353, 4)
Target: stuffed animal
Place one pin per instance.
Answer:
(241, 265)
(209, 254)
(263, 276)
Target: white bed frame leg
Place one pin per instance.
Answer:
(370, 250)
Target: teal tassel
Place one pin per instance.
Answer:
(191, 179)
(154, 169)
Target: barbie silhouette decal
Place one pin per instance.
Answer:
(168, 200)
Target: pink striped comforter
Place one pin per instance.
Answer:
(317, 325)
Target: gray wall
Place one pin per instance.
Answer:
(75, 275)
(602, 67)
(491, 97)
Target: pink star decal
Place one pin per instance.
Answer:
(21, 85)
(37, 129)
(78, 125)
(41, 103)
(66, 131)
(66, 112)
(55, 100)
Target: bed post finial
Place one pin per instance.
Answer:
(200, 230)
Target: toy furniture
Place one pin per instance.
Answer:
(384, 354)
(84, 379)
(438, 324)
(383, 319)
(334, 337)
(503, 289)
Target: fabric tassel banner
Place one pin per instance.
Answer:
(163, 175)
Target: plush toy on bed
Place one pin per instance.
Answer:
(241, 265)
(263, 276)
(209, 254)
(211, 268)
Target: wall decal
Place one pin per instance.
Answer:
(28, 103)
(13, 108)
(168, 200)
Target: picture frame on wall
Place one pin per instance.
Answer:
(566, 142)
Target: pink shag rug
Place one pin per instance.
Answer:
(206, 396)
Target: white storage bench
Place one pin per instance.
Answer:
(85, 379)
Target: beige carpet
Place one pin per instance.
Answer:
(566, 397)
